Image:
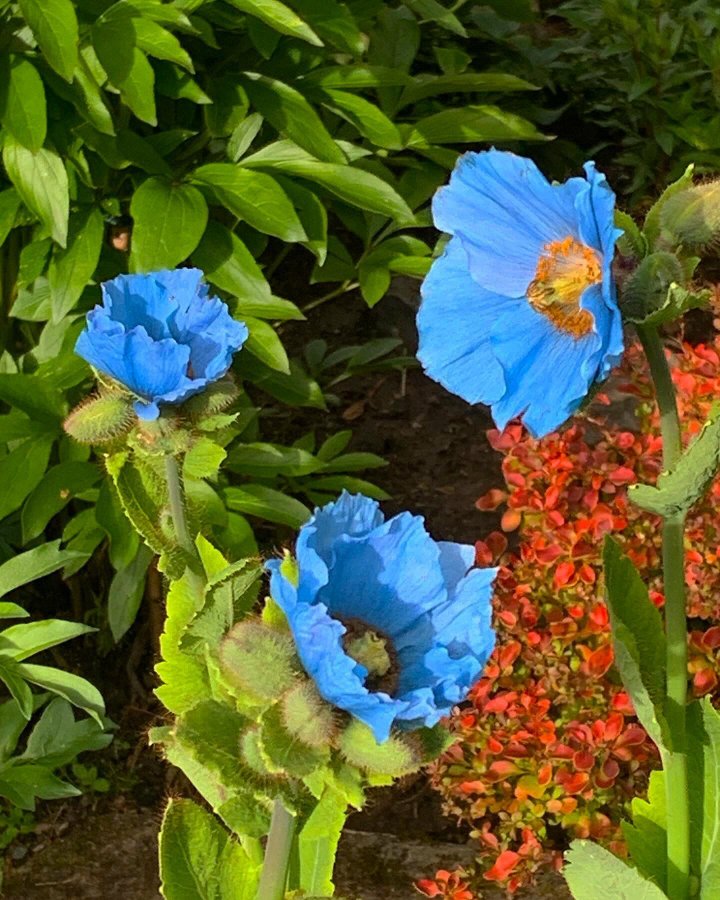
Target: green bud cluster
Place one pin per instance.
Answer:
(297, 731)
(692, 216)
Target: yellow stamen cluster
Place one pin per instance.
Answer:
(564, 271)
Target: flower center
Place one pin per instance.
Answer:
(375, 652)
(563, 272)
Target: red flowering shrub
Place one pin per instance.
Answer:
(549, 748)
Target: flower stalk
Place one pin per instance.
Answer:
(277, 854)
(675, 759)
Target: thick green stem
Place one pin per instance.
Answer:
(177, 504)
(675, 760)
(277, 854)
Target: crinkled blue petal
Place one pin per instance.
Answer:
(394, 578)
(454, 324)
(505, 211)
(161, 336)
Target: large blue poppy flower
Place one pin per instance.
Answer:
(392, 626)
(520, 312)
(161, 336)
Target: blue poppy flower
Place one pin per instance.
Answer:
(161, 336)
(520, 311)
(393, 627)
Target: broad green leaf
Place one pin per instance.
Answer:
(33, 396)
(14, 680)
(646, 834)
(55, 26)
(23, 110)
(20, 641)
(356, 77)
(351, 184)
(199, 860)
(169, 220)
(126, 593)
(475, 82)
(432, 11)
(23, 784)
(12, 611)
(243, 136)
(228, 264)
(335, 484)
(203, 459)
(653, 220)
(12, 725)
(229, 105)
(267, 503)
(123, 538)
(265, 345)
(296, 388)
(334, 22)
(313, 216)
(58, 738)
(115, 41)
(9, 206)
(594, 873)
(42, 182)
(21, 471)
(354, 462)
(291, 114)
(267, 308)
(317, 844)
(334, 445)
(639, 641)
(59, 485)
(279, 17)
(33, 259)
(680, 489)
(71, 268)
(704, 794)
(471, 124)
(156, 41)
(90, 99)
(32, 564)
(73, 688)
(370, 121)
(269, 460)
(253, 196)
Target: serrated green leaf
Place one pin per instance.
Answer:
(646, 834)
(317, 844)
(680, 489)
(704, 793)
(632, 242)
(55, 26)
(169, 221)
(594, 873)
(639, 641)
(42, 182)
(199, 859)
(677, 302)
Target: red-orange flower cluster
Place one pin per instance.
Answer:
(549, 748)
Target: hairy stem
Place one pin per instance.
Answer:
(277, 854)
(675, 760)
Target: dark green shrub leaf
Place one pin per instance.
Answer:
(169, 221)
(270, 460)
(72, 267)
(267, 503)
(264, 344)
(32, 564)
(228, 263)
(126, 593)
(653, 220)
(42, 182)
(58, 487)
(23, 110)
(279, 17)
(470, 124)
(646, 834)
(115, 41)
(55, 26)
(21, 471)
(253, 196)
(474, 82)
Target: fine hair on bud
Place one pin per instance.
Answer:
(307, 716)
(396, 756)
(258, 660)
(101, 418)
(216, 398)
(692, 216)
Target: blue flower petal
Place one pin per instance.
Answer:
(454, 324)
(133, 300)
(505, 211)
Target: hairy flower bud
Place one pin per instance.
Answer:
(395, 756)
(307, 716)
(101, 418)
(258, 660)
(692, 216)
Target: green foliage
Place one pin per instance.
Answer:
(594, 873)
(704, 794)
(639, 641)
